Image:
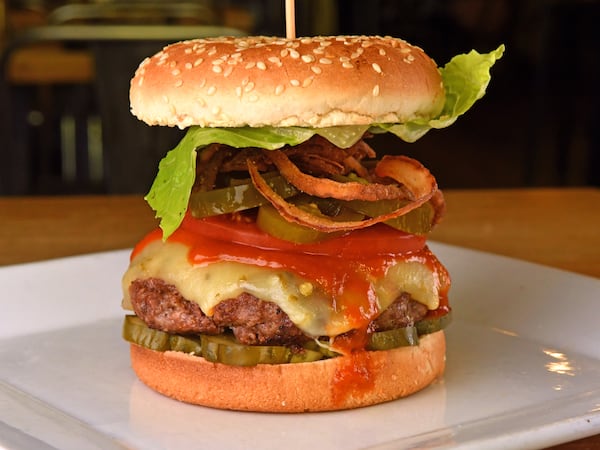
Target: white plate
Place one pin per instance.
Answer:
(523, 369)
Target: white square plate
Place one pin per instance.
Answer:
(523, 369)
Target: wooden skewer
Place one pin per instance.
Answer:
(290, 19)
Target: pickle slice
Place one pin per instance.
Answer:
(417, 221)
(271, 222)
(433, 324)
(185, 344)
(399, 337)
(136, 331)
(236, 198)
(225, 349)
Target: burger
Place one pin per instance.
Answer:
(290, 271)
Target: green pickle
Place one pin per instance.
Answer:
(417, 221)
(400, 337)
(185, 344)
(226, 350)
(136, 331)
(271, 222)
(433, 324)
(236, 197)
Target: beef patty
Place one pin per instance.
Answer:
(252, 320)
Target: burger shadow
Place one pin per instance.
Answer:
(160, 422)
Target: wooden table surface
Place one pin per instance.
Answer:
(554, 227)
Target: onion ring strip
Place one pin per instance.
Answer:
(294, 214)
(326, 188)
(408, 172)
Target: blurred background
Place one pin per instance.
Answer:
(65, 126)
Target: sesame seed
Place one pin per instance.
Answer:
(294, 54)
(188, 65)
(284, 52)
(179, 83)
(344, 59)
(308, 81)
(212, 51)
(347, 65)
(376, 67)
(279, 89)
(261, 65)
(238, 91)
(405, 50)
(217, 69)
(275, 60)
(198, 62)
(318, 50)
(202, 83)
(227, 71)
(165, 99)
(140, 81)
(249, 87)
(308, 58)
(376, 90)
(316, 69)
(250, 65)
(253, 98)
(201, 102)
(211, 90)
(325, 61)
(245, 81)
(187, 51)
(295, 83)
(382, 52)
(216, 62)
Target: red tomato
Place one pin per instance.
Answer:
(379, 239)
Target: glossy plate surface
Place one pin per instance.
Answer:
(523, 369)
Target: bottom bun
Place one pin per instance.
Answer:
(345, 382)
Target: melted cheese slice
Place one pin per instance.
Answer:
(304, 301)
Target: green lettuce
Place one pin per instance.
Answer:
(465, 77)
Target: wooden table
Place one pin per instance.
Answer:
(555, 227)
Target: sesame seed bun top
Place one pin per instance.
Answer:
(312, 82)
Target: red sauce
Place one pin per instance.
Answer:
(354, 376)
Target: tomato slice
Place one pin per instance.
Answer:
(379, 239)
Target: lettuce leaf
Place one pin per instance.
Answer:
(466, 78)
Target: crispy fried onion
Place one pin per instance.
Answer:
(404, 170)
(327, 188)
